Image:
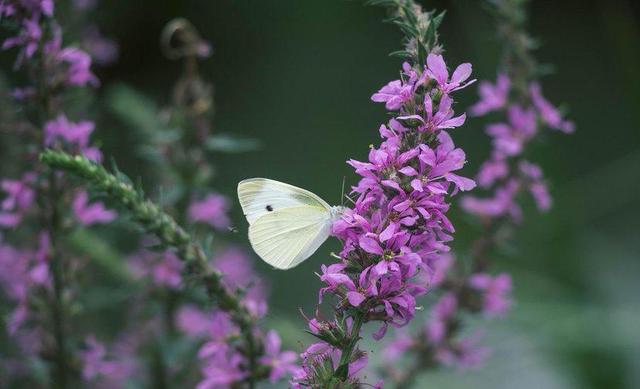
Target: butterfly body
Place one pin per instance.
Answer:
(287, 224)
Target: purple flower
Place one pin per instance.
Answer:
(550, 114)
(436, 271)
(223, 372)
(496, 292)
(19, 198)
(437, 70)
(221, 329)
(492, 97)
(509, 139)
(492, 170)
(28, 39)
(75, 135)
(104, 51)
(211, 210)
(78, 67)
(163, 269)
(440, 163)
(443, 119)
(23, 272)
(441, 313)
(502, 203)
(68, 66)
(398, 346)
(238, 273)
(88, 214)
(279, 362)
(464, 354)
(536, 185)
(394, 95)
(96, 364)
(194, 322)
(398, 92)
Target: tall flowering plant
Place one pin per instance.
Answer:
(223, 360)
(398, 225)
(505, 177)
(42, 281)
(232, 350)
(37, 205)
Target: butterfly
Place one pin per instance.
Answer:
(287, 224)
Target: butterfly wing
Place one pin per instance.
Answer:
(260, 196)
(287, 236)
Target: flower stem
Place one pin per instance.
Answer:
(358, 320)
(165, 228)
(56, 267)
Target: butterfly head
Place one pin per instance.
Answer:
(336, 212)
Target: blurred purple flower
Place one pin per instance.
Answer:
(163, 269)
(19, 198)
(442, 312)
(104, 51)
(238, 273)
(280, 362)
(194, 322)
(496, 292)
(76, 135)
(211, 210)
(88, 214)
(465, 354)
(550, 114)
(492, 97)
(98, 366)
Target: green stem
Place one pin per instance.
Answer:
(347, 351)
(56, 267)
(164, 227)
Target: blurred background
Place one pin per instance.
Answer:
(298, 77)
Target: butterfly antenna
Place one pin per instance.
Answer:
(342, 194)
(350, 199)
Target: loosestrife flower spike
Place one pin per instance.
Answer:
(155, 221)
(505, 175)
(398, 226)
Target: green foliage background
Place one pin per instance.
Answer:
(297, 76)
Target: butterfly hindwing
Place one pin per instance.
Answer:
(285, 237)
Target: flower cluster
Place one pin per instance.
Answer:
(505, 175)
(398, 226)
(223, 363)
(30, 203)
(506, 172)
(103, 369)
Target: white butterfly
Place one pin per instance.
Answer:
(287, 224)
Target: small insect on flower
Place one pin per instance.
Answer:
(287, 224)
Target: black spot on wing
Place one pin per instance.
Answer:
(269, 208)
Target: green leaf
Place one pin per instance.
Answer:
(227, 143)
(135, 109)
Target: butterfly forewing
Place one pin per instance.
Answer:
(260, 196)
